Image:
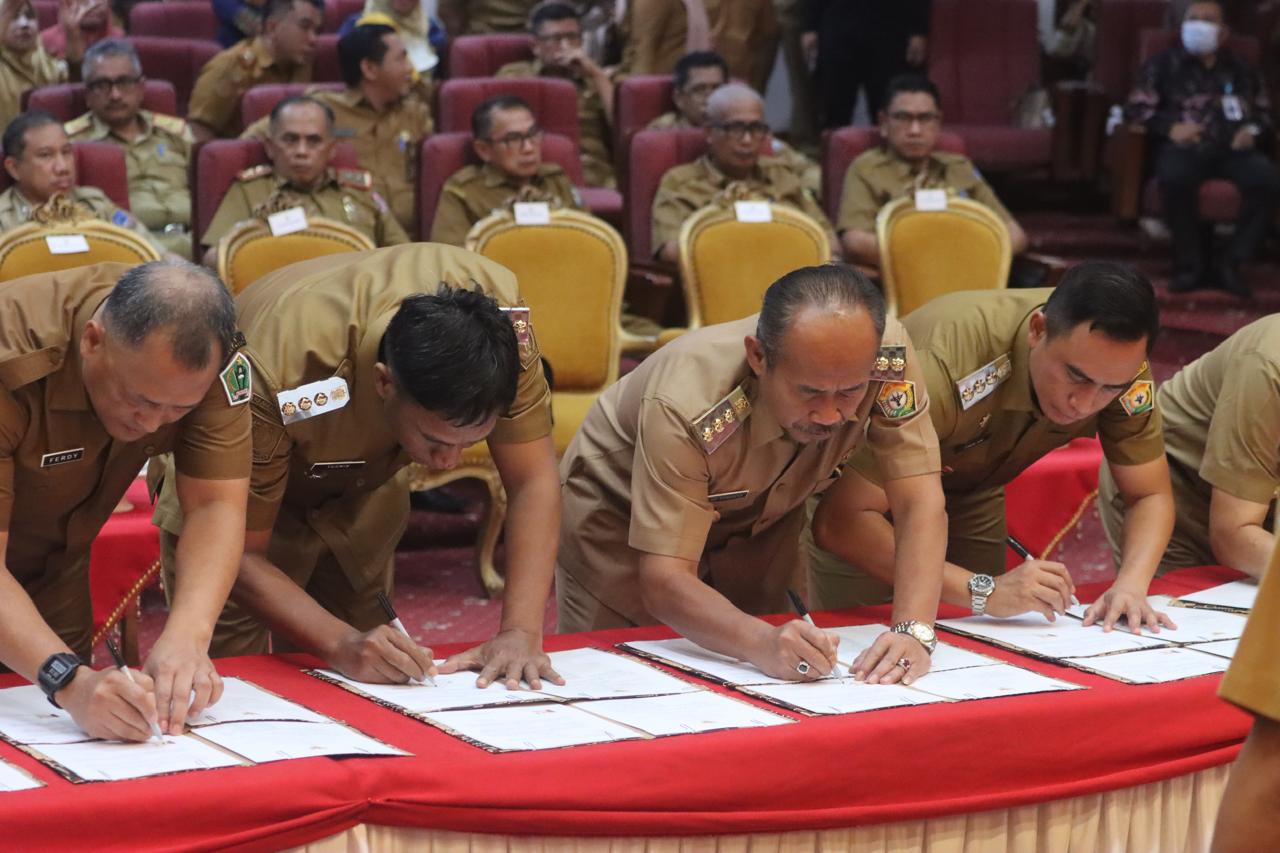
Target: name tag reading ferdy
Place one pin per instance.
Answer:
(66, 244)
(287, 221)
(61, 457)
(753, 211)
(314, 398)
(532, 213)
(931, 199)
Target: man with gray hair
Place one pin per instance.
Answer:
(102, 367)
(732, 168)
(157, 147)
(684, 490)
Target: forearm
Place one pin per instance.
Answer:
(26, 640)
(532, 536)
(679, 599)
(1246, 548)
(861, 247)
(1148, 523)
(208, 557)
(920, 549)
(603, 84)
(286, 608)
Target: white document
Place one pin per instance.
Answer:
(1154, 666)
(1237, 595)
(1196, 625)
(455, 690)
(522, 727)
(1064, 638)
(244, 702)
(597, 674)
(14, 778)
(532, 213)
(27, 717)
(1221, 648)
(66, 244)
(688, 655)
(279, 741)
(753, 211)
(841, 696)
(287, 221)
(931, 199)
(988, 682)
(684, 713)
(111, 761)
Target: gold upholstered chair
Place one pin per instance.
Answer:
(30, 248)
(926, 253)
(249, 250)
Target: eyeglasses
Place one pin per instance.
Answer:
(906, 118)
(103, 85)
(517, 140)
(743, 129)
(570, 39)
(701, 90)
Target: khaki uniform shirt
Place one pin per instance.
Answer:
(1253, 679)
(745, 33)
(685, 436)
(15, 210)
(386, 143)
(878, 176)
(654, 34)
(215, 100)
(345, 195)
(18, 74)
(333, 475)
(692, 186)
(473, 192)
(496, 16)
(61, 474)
(159, 194)
(593, 123)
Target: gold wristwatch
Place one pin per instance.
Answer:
(920, 631)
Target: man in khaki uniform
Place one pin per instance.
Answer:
(508, 141)
(684, 489)
(300, 146)
(382, 113)
(24, 64)
(42, 163)
(656, 33)
(470, 17)
(1222, 440)
(354, 377)
(156, 146)
(557, 50)
(1013, 374)
(102, 367)
(745, 33)
(282, 54)
(908, 161)
(732, 167)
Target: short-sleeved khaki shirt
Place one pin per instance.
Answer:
(1253, 679)
(745, 33)
(473, 192)
(879, 176)
(654, 34)
(345, 195)
(15, 210)
(495, 16)
(215, 100)
(692, 186)
(682, 458)
(20, 73)
(593, 122)
(323, 320)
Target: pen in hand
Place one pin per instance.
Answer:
(804, 614)
(1023, 552)
(119, 659)
(399, 626)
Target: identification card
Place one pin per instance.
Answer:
(287, 221)
(314, 398)
(931, 199)
(753, 211)
(1231, 108)
(532, 213)
(66, 244)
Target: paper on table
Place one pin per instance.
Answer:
(840, 696)
(684, 713)
(688, 655)
(1237, 595)
(521, 727)
(27, 717)
(988, 682)
(109, 760)
(273, 740)
(1153, 666)
(242, 701)
(1196, 625)
(14, 778)
(1066, 637)
(452, 691)
(1221, 648)
(597, 674)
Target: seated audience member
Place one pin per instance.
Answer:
(508, 141)
(1222, 440)
(81, 24)
(1207, 115)
(24, 63)
(39, 158)
(1068, 36)
(300, 146)
(282, 54)
(238, 20)
(732, 166)
(699, 74)
(908, 161)
(557, 50)
(1011, 375)
(656, 33)
(156, 147)
(412, 24)
(381, 113)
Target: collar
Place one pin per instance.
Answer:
(494, 177)
(762, 426)
(354, 97)
(330, 178)
(1018, 395)
(719, 178)
(100, 130)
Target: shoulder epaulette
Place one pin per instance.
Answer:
(890, 364)
(171, 124)
(358, 178)
(722, 420)
(27, 368)
(983, 381)
(253, 172)
(78, 125)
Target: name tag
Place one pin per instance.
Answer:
(61, 457)
(287, 221)
(532, 213)
(314, 398)
(931, 199)
(728, 496)
(320, 469)
(753, 211)
(66, 244)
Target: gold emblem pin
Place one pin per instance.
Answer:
(321, 399)
(288, 409)
(899, 364)
(967, 393)
(340, 392)
(741, 404)
(707, 434)
(718, 423)
(882, 363)
(729, 416)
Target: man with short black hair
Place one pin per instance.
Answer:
(101, 368)
(357, 373)
(1011, 375)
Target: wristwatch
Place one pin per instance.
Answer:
(920, 631)
(980, 589)
(56, 673)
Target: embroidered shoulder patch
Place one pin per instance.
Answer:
(897, 399)
(983, 381)
(722, 420)
(1138, 399)
(890, 363)
(237, 380)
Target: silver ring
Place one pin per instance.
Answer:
(905, 663)
(803, 667)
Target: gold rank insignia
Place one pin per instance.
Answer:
(890, 363)
(523, 326)
(1138, 399)
(897, 399)
(259, 171)
(722, 420)
(979, 384)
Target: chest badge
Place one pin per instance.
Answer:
(312, 399)
(61, 457)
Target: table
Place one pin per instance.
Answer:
(984, 766)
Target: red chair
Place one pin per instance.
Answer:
(177, 60)
(98, 164)
(483, 55)
(554, 102)
(984, 55)
(186, 18)
(638, 101)
(220, 160)
(843, 146)
(46, 12)
(653, 153)
(261, 100)
(325, 65)
(337, 11)
(65, 101)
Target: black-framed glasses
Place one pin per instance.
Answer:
(701, 90)
(906, 118)
(517, 140)
(103, 85)
(570, 39)
(743, 129)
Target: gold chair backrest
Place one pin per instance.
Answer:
(727, 265)
(25, 250)
(249, 251)
(571, 274)
(927, 253)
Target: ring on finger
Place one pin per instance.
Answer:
(905, 663)
(803, 667)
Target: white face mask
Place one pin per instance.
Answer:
(1200, 38)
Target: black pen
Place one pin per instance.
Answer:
(1021, 551)
(399, 626)
(804, 614)
(119, 659)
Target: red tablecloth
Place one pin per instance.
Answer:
(882, 766)
(123, 552)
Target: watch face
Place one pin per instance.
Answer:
(58, 668)
(923, 633)
(982, 584)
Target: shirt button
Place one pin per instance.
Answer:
(150, 450)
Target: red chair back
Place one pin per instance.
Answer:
(638, 101)
(186, 18)
(66, 100)
(337, 11)
(842, 147)
(483, 55)
(554, 102)
(653, 154)
(325, 66)
(445, 153)
(178, 60)
(983, 56)
(1155, 40)
(98, 164)
(261, 100)
(1116, 53)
